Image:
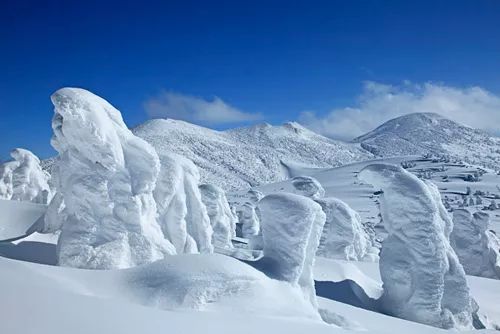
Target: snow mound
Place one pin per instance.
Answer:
(291, 229)
(308, 186)
(105, 177)
(181, 213)
(221, 217)
(422, 278)
(476, 247)
(343, 236)
(23, 179)
(242, 158)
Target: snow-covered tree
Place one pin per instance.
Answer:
(292, 227)
(476, 247)
(105, 176)
(23, 179)
(221, 218)
(181, 213)
(423, 279)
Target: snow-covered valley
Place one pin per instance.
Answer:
(174, 227)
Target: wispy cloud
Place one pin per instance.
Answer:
(196, 110)
(472, 106)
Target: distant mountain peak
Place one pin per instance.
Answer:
(423, 133)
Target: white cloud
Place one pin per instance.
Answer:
(473, 106)
(195, 109)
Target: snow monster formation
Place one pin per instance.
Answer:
(422, 278)
(248, 216)
(343, 236)
(23, 179)
(476, 247)
(181, 213)
(105, 177)
(291, 229)
(221, 218)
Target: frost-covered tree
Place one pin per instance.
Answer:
(477, 248)
(343, 236)
(23, 179)
(181, 213)
(221, 218)
(423, 279)
(292, 226)
(248, 215)
(104, 177)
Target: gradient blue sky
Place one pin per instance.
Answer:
(269, 57)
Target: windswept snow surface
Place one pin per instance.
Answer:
(19, 219)
(245, 157)
(181, 213)
(23, 179)
(429, 133)
(423, 279)
(106, 178)
(477, 248)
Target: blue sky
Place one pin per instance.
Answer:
(271, 60)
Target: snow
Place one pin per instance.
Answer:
(19, 219)
(343, 236)
(423, 279)
(221, 217)
(291, 229)
(23, 178)
(308, 186)
(181, 212)
(428, 133)
(476, 247)
(106, 178)
(242, 158)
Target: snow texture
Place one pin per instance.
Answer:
(308, 186)
(181, 212)
(429, 133)
(239, 159)
(105, 176)
(422, 278)
(23, 178)
(221, 218)
(248, 215)
(291, 229)
(343, 236)
(476, 247)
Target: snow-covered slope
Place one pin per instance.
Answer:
(423, 133)
(245, 157)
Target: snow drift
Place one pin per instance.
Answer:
(181, 213)
(221, 218)
(476, 247)
(422, 278)
(23, 178)
(105, 176)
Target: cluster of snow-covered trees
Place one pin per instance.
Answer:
(118, 204)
